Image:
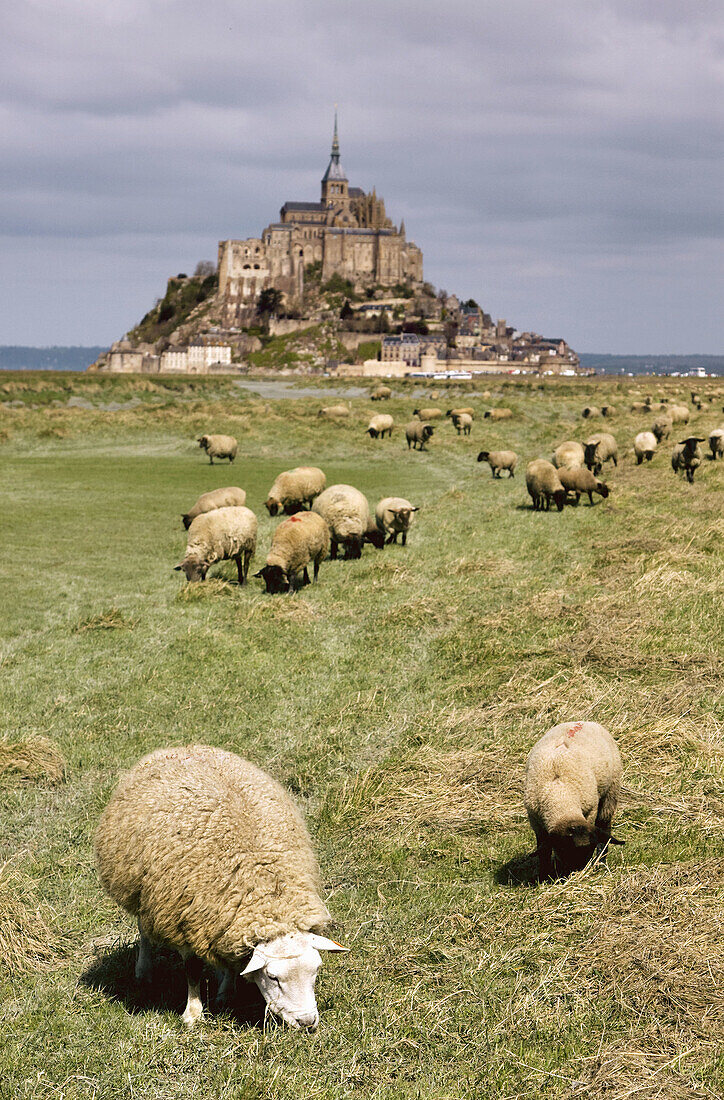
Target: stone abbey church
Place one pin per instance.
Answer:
(347, 233)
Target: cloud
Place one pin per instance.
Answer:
(571, 131)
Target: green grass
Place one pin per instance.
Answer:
(397, 699)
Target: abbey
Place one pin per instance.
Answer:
(347, 233)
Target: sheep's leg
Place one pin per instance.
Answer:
(194, 1009)
(144, 962)
(247, 561)
(305, 576)
(512, 473)
(239, 568)
(404, 538)
(227, 984)
(545, 857)
(333, 548)
(316, 570)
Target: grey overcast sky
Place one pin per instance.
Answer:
(561, 161)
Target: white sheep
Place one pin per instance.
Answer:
(716, 443)
(463, 422)
(687, 456)
(230, 497)
(346, 512)
(499, 461)
(295, 489)
(569, 454)
(213, 858)
(394, 516)
(219, 446)
(222, 535)
(380, 425)
(572, 784)
(645, 445)
(299, 540)
(544, 485)
(334, 412)
(600, 448)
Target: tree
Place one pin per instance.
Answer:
(346, 311)
(269, 302)
(204, 268)
(471, 304)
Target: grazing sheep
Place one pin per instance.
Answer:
(346, 512)
(608, 410)
(499, 461)
(661, 427)
(231, 497)
(294, 489)
(219, 446)
(213, 858)
(417, 434)
(582, 481)
(645, 445)
(459, 412)
(498, 414)
(569, 454)
(544, 485)
(716, 443)
(382, 393)
(687, 456)
(297, 541)
(572, 783)
(598, 449)
(427, 414)
(679, 414)
(379, 425)
(589, 411)
(334, 412)
(463, 422)
(394, 516)
(641, 407)
(222, 535)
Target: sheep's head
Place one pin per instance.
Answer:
(427, 431)
(374, 536)
(276, 579)
(589, 452)
(203, 442)
(194, 568)
(372, 433)
(186, 520)
(602, 489)
(271, 505)
(285, 970)
(560, 496)
(483, 456)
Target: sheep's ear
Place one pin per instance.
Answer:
(260, 573)
(179, 566)
(323, 944)
(615, 840)
(256, 962)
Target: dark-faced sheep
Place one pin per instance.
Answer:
(580, 481)
(380, 425)
(219, 446)
(417, 434)
(544, 485)
(499, 461)
(598, 449)
(687, 456)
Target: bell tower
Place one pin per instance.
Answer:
(335, 185)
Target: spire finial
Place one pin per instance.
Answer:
(335, 139)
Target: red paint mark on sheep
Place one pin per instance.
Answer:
(575, 728)
(294, 519)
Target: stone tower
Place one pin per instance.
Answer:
(335, 185)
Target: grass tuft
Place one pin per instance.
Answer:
(110, 619)
(28, 944)
(35, 760)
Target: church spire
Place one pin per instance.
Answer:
(335, 139)
(334, 181)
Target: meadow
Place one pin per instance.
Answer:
(397, 699)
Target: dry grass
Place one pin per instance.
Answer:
(35, 760)
(27, 942)
(197, 591)
(110, 619)
(284, 609)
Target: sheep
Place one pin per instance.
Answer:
(498, 414)
(221, 535)
(334, 412)
(394, 516)
(572, 784)
(569, 454)
(589, 411)
(544, 485)
(661, 427)
(645, 445)
(219, 446)
(641, 407)
(687, 456)
(679, 414)
(382, 393)
(428, 414)
(213, 858)
(608, 410)
(294, 489)
(346, 512)
(582, 481)
(297, 541)
(417, 434)
(452, 413)
(463, 422)
(716, 443)
(231, 497)
(598, 449)
(378, 425)
(499, 461)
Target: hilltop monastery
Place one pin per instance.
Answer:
(347, 233)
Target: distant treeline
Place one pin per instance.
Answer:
(652, 364)
(55, 358)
